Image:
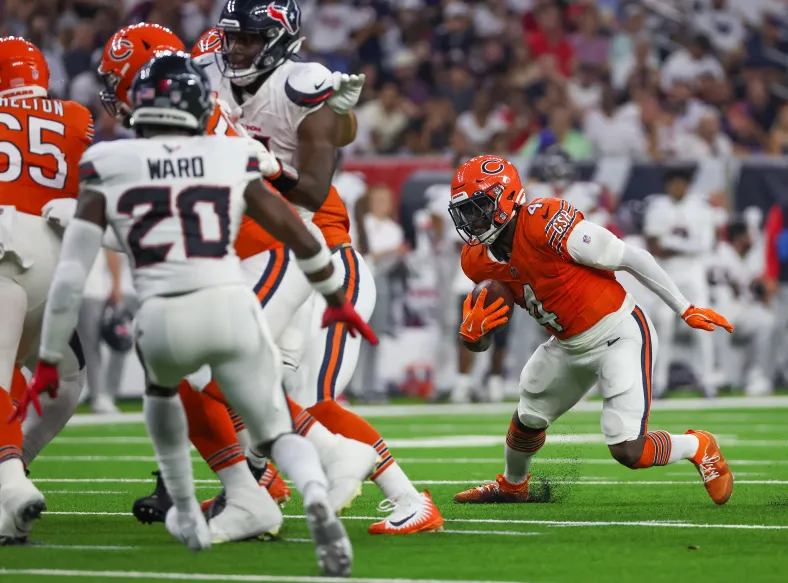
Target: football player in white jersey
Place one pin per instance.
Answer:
(558, 173)
(282, 103)
(176, 204)
(679, 232)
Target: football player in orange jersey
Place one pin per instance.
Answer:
(42, 141)
(559, 267)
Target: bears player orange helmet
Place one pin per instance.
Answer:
(210, 42)
(23, 69)
(486, 194)
(125, 54)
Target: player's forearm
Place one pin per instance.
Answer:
(276, 217)
(642, 265)
(81, 244)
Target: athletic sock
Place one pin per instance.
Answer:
(298, 459)
(522, 443)
(166, 421)
(40, 431)
(387, 474)
(211, 430)
(237, 480)
(661, 448)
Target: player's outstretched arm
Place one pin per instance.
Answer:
(594, 246)
(317, 153)
(81, 244)
(275, 216)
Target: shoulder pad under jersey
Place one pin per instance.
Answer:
(308, 84)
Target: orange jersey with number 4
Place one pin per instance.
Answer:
(41, 143)
(563, 296)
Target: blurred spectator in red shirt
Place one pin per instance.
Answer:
(549, 39)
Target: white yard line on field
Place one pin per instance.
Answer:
(214, 577)
(376, 411)
(561, 523)
(580, 482)
(559, 461)
(82, 547)
(456, 442)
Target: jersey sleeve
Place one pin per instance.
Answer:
(550, 222)
(80, 120)
(307, 88)
(98, 166)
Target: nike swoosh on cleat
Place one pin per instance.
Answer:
(401, 522)
(612, 342)
(319, 85)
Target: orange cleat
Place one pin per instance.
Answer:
(269, 479)
(276, 485)
(498, 492)
(409, 516)
(712, 467)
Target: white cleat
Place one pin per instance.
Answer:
(21, 504)
(189, 527)
(253, 517)
(332, 545)
(347, 464)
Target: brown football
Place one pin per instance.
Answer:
(495, 290)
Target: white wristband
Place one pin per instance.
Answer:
(316, 262)
(330, 285)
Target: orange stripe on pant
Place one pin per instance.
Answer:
(336, 335)
(272, 276)
(646, 363)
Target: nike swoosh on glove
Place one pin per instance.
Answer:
(347, 90)
(346, 314)
(478, 320)
(44, 380)
(705, 319)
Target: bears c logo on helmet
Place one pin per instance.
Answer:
(211, 42)
(121, 49)
(493, 166)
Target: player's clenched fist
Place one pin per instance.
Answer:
(44, 380)
(478, 320)
(705, 319)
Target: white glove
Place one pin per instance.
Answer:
(274, 169)
(347, 90)
(60, 211)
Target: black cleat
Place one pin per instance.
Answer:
(153, 508)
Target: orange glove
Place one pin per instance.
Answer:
(478, 320)
(705, 319)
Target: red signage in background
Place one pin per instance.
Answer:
(393, 172)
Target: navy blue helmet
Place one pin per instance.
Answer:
(171, 91)
(259, 35)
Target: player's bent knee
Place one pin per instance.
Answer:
(531, 418)
(627, 453)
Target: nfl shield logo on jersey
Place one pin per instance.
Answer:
(586, 239)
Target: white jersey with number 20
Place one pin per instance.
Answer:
(175, 203)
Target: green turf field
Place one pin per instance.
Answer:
(606, 523)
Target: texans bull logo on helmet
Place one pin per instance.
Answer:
(289, 15)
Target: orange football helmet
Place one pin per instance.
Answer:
(124, 55)
(23, 68)
(210, 42)
(486, 194)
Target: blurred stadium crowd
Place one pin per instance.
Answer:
(655, 80)
(647, 78)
